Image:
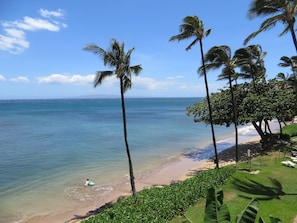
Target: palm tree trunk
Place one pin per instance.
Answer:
(209, 107)
(293, 35)
(234, 117)
(126, 142)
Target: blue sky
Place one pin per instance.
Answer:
(42, 56)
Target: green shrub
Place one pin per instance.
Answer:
(290, 130)
(162, 204)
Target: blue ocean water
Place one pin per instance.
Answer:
(49, 147)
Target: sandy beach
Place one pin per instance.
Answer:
(175, 170)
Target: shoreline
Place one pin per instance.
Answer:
(177, 169)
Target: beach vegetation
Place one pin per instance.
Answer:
(283, 12)
(161, 204)
(117, 58)
(193, 27)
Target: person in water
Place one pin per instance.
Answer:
(87, 183)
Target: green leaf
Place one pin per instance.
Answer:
(215, 209)
(249, 214)
(274, 220)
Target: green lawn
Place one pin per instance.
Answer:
(275, 186)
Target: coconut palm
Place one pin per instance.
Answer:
(291, 80)
(282, 11)
(117, 58)
(250, 60)
(290, 62)
(215, 58)
(193, 27)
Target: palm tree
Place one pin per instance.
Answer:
(292, 79)
(219, 56)
(290, 62)
(193, 27)
(282, 11)
(250, 60)
(117, 58)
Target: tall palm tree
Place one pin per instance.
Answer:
(117, 58)
(219, 56)
(282, 11)
(193, 27)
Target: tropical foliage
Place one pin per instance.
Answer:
(255, 100)
(252, 107)
(217, 211)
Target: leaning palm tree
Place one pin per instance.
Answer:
(282, 11)
(215, 58)
(117, 58)
(193, 27)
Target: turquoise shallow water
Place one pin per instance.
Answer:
(49, 147)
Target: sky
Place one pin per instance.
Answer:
(42, 56)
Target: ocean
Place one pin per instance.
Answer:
(49, 147)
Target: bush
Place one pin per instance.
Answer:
(162, 204)
(290, 130)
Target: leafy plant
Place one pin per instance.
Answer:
(249, 214)
(217, 211)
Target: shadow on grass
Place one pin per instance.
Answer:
(260, 191)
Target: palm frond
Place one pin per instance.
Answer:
(101, 75)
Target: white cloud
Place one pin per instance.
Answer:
(46, 13)
(15, 41)
(66, 79)
(145, 84)
(14, 38)
(2, 78)
(20, 79)
(33, 24)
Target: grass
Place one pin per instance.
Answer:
(275, 186)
